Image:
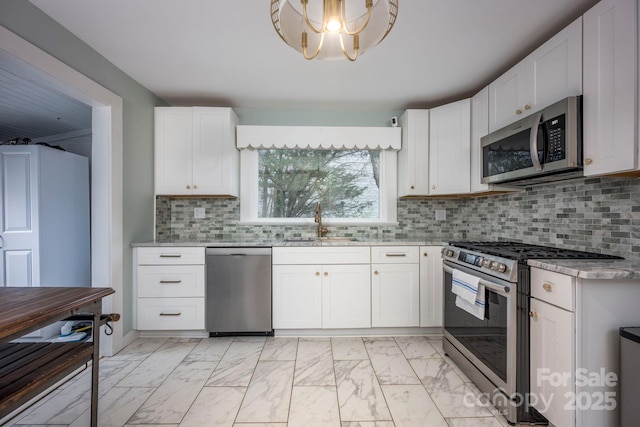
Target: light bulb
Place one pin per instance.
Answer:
(334, 25)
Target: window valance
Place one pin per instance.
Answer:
(318, 137)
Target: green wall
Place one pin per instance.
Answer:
(33, 25)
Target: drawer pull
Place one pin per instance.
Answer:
(547, 287)
(170, 256)
(170, 281)
(170, 314)
(533, 314)
(395, 255)
(375, 272)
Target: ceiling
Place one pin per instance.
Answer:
(226, 52)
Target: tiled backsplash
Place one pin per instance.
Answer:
(594, 214)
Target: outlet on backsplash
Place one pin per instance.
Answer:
(441, 215)
(198, 213)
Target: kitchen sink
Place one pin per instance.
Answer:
(320, 239)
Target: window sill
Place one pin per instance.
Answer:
(327, 223)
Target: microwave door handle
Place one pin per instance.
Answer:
(533, 141)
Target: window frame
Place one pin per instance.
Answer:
(249, 194)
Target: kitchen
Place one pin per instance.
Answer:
(485, 218)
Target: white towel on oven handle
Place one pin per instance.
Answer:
(465, 285)
(477, 308)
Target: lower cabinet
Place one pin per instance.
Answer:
(308, 294)
(431, 287)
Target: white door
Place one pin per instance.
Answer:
(479, 128)
(431, 286)
(173, 150)
(505, 97)
(413, 158)
(552, 356)
(610, 105)
(395, 295)
(297, 296)
(346, 296)
(210, 137)
(18, 218)
(450, 148)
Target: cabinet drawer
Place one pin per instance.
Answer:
(157, 314)
(171, 281)
(170, 255)
(322, 255)
(395, 254)
(554, 288)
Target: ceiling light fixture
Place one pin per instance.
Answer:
(326, 33)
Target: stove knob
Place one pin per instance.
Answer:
(450, 253)
(502, 268)
(494, 265)
(486, 263)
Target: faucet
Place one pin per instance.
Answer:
(322, 231)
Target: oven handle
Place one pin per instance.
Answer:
(501, 289)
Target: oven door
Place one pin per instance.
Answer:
(489, 344)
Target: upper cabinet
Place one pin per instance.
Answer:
(551, 73)
(435, 144)
(450, 148)
(610, 102)
(195, 151)
(413, 158)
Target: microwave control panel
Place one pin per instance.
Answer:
(555, 130)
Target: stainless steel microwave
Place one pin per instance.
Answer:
(544, 147)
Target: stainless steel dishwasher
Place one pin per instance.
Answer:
(238, 291)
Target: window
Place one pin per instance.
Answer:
(344, 182)
(286, 170)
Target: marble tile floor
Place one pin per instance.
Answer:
(271, 382)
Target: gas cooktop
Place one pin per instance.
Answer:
(523, 251)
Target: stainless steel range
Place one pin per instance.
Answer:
(489, 338)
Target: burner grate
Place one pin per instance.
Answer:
(523, 251)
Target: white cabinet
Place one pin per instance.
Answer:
(169, 284)
(552, 338)
(413, 158)
(574, 324)
(195, 152)
(395, 286)
(431, 286)
(549, 74)
(321, 287)
(435, 154)
(610, 104)
(450, 148)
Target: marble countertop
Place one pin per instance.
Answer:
(592, 269)
(293, 242)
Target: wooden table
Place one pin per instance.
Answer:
(28, 368)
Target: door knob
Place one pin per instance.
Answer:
(547, 287)
(533, 314)
(588, 161)
(518, 111)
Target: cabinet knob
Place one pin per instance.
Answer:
(375, 272)
(533, 314)
(527, 107)
(195, 187)
(425, 254)
(547, 287)
(588, 161)
(326, 274)
(518, 111)
(317, 273)
(413, 187)
(188, 187)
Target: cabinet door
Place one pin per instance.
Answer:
(431, 286)
(413, 158)
(297, 296)
(450, 148)
(610, 107)
(552, 361)
(215, 157)
(395, 295)
(479, 128)
(346, 296)
(173, 150)
(505, 97)
(555, 69)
